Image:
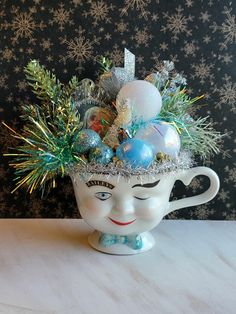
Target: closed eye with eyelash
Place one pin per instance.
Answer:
(141, 198)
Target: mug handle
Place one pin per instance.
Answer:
(186, 177)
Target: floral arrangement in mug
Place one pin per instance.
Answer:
(116, 125)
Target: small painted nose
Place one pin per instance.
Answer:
(123, 207)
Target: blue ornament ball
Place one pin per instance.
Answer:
(102, 154)
(86, 140)
(136, 153)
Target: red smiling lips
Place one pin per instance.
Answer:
(121, 223)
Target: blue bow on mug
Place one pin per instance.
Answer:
(133, 241)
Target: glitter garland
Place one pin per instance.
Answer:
(87, 171)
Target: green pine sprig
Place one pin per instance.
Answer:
(197, 136)
(49, 132)
(44, 84)
(200, 138)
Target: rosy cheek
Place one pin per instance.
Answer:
(148, 210)
(96, 207)
(147, 213)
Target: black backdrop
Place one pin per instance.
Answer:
(67, 36)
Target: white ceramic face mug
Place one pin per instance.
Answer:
(122, 211)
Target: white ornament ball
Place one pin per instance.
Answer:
(163, 137)
(144, 98)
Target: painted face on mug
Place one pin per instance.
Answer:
(122, 207)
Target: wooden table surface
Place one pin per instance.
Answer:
(46, 266)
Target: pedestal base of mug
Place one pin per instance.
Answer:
(121, 249)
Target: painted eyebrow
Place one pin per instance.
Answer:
(100, 183)
(147, 185)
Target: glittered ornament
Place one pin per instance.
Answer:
(122, 121)
(162, 136)
(102, 154)
(136, 153)
(144, 97)
(99, 119)
(86, 139)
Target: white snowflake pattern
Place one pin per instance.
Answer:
(223, 195)
(226, 58)
(177, 23)
(230, 215)
(23, 25)
(49, 58)
(204, 16)
(228, 28)
(230, 175)
(46, 44)
(99, 11)
(117, 55)
(190, 48)
(227, 94)
(61, 16)
(174, 58)
(173, 215)
(210, 3)
(8, 54)
(206, 39)
(202, 212)
(139, 5)
(22, 85)
(202, 71)
(195, 185)
(79, 49)
(158, 63)
(3, 81)
(189, 3)
(77, 3)
(164, 46)
(142, 37)
(121, 27)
